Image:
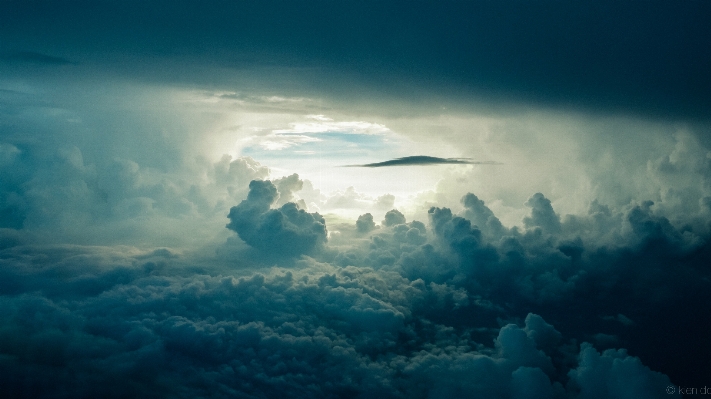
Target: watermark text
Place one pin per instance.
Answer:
(679, 390)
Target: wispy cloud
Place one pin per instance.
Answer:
(323, 124)
(424, 160)
(32, 57)
(277, 142)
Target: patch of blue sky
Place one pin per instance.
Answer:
(330, 145)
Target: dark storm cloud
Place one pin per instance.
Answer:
(647, 57)
(423, 160)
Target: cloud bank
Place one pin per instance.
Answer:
(414, 309)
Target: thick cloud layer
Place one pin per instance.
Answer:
(436, 286)
(94, 322)
(407, 310)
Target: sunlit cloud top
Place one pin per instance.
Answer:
(323, 124)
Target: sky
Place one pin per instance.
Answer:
(355, 199)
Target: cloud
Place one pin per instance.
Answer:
(407, 310)
(393, 217)
(33, 58)
(286, 186)
(614, 373)
(350, 198)
(285, 231)
(365, 223)
(423, 160)
(135, 323)
(426, 293)
(490, 293)
(542, 214)
(235, 174)
(277, 142)
(323, 124)
(481, 216)
(565, 63)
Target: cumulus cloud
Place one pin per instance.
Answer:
(614, 374)
(235, 174)
(284, 231)
(542, 214)
(286, 186)
(480, 215)
(365, 223)
(393, 217)
(118, 200)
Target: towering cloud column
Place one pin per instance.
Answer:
(287, 231)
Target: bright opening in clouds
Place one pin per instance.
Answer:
(355, 200)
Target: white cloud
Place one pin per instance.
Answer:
(323, 124)
(277, 142)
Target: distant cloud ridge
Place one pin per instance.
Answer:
(423, 160)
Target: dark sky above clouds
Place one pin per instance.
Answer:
(648, 57)
(175, 220)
